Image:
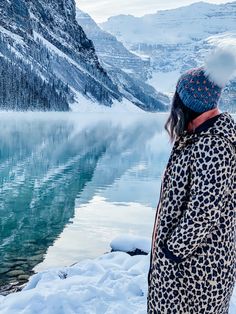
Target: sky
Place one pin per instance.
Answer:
(100, 10)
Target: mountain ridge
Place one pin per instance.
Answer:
(172, 45)
(170, 21)
(127, 70)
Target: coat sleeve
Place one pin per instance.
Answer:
(211, 172)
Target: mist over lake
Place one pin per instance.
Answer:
(70, 182)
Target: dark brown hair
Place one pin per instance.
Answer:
(179, 118)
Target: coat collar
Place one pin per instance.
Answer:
(224, 126)
(202, 118)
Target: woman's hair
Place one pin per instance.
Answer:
(179, 118)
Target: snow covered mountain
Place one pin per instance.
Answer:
(176, 39)
(48, 63)
(111, 50)
(127, 70)
(46, 58)
(173, 26)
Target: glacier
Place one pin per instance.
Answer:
(178, 39)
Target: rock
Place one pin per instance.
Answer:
(23, 277)
(4, 270)
(18, 263)
(40, 252)
(137, 252)
(19, 259)
(15, 273)
(36, 257)
(133, 253)
(7, 289)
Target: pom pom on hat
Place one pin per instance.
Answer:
(220, 64)
(200, 88)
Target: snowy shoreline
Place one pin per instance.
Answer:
(115, 282)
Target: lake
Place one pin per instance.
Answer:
(71, 182)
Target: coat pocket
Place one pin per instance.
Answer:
(192, 275)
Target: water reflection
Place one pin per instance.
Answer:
(71, 178)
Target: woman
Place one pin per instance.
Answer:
(192, 265)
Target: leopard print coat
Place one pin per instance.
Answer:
(192, 265)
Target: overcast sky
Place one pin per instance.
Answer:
(100, 10)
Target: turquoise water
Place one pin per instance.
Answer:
(71, 182)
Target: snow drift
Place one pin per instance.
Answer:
(114, 283)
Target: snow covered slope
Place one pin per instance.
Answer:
(177, 39)
(44, 46)
(173, 26)
(127, 70)
(115, 283)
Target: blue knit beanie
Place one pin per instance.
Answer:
(200, 88)
(197, 92)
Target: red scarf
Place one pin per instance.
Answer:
(202, 118)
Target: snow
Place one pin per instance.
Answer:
(129, 243)
(114, 283)
(226, 38)
(18, 40)
(52, 48)
(86, 105)
(15, 37)
(172, 46)
(61, 54)
(141, 55)
(172, 26)
(165, 82)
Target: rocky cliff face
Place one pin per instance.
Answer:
(112, 51)
(127, 70)
(15, 17)
(43, 41)
(55, 21)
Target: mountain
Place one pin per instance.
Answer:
(46, 59)
(48, 63)
(173, 26)
(127, 70)
(177, 39)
